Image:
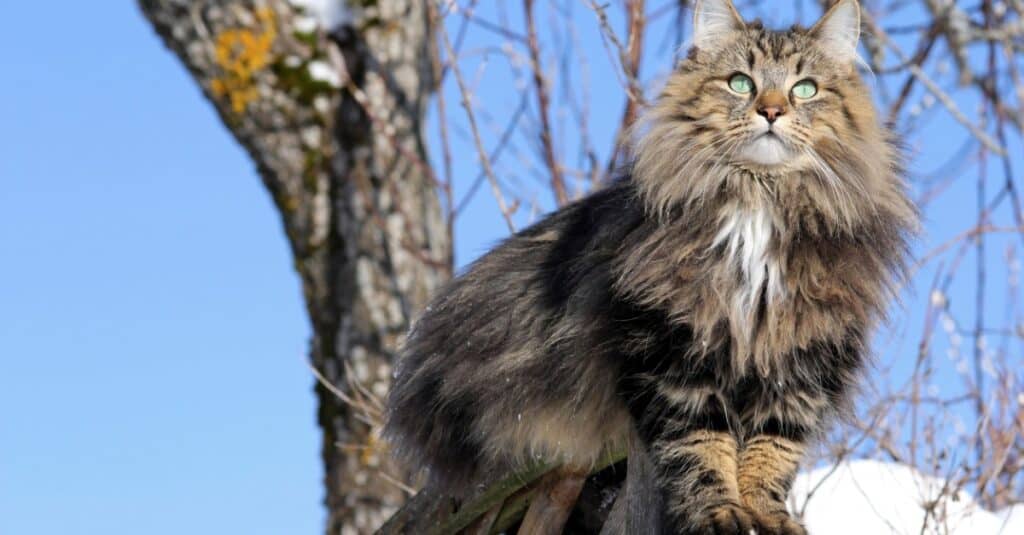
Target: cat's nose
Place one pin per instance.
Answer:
(771, 112)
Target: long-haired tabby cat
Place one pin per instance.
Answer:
(718, 299)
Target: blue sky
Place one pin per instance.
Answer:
(152, 333)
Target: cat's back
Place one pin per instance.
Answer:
(494, 364)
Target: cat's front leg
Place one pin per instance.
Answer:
(698, 478)
(695, 456)
(767, 465)
(778, 419)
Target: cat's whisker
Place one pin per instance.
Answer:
(725, 149)
(851, 178)
(835, 185)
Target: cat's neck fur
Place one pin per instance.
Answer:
(764, 264)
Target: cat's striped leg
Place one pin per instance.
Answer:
(695, 455)
(778, 417)
(767, 465)
(699, 481)
(778, 420)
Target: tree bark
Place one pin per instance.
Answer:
(332, 120)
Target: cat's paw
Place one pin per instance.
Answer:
(777, 524)
(726, 519)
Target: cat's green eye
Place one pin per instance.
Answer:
(741, 83)
(805, 89)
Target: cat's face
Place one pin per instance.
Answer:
(748, 102)
(770, 98)
(766, 98)
(774, 96)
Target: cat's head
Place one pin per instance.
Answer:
(748, 101)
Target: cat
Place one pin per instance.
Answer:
(716, 300)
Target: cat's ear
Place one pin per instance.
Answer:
(713, 21)
(839, 29)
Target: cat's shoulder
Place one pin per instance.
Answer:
(605, 215)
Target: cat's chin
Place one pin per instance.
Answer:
(766, 150)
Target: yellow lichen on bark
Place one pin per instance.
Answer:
(240, 53)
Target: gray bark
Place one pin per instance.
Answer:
(344, 161)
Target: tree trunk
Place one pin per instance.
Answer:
(332, 119)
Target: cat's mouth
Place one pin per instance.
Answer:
(767, 149)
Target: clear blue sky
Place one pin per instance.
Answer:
(152, 334)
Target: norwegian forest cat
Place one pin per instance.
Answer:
(716, 300)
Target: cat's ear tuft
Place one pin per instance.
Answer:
(713, 21)
(839, 30)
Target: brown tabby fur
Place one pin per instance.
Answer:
(716, 302)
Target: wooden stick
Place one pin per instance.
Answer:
(553, 502)
(483, 525)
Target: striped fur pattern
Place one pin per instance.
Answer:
(717, 298)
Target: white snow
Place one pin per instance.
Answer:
(305, 23)
(323, 72)
(329, 13)
(872, 497)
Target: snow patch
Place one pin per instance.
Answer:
(860, 497)
(305, 24)
(323, 72)
(329, 13)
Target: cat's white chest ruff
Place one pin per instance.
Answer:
(747, 235)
